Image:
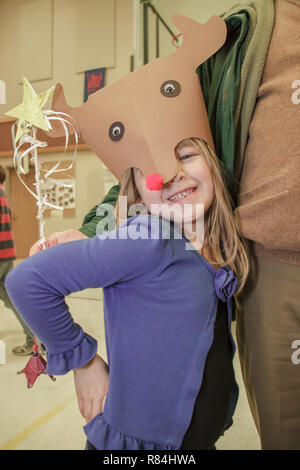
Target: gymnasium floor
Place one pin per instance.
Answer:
(46, 417)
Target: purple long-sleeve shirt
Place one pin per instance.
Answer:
(160, 304)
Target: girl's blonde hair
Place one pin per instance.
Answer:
(222, 237)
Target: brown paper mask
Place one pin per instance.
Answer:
(139, 120)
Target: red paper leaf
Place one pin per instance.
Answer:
(35, 367)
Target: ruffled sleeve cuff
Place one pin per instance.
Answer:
(61, 363)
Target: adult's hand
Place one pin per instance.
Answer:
(56, 238)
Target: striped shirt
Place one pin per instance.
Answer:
(7, 247)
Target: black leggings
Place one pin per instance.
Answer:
(211, 406)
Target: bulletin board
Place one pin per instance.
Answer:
(56, 193)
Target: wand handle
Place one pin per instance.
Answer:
(40, 203)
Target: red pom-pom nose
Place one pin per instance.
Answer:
(154, 182)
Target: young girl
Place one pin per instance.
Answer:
(169, 382)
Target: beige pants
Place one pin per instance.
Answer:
(268, 324)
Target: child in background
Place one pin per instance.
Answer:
(169, 383)
(7, 256)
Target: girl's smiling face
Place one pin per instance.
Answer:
(184, 197)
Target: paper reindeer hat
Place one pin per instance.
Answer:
(139, 120)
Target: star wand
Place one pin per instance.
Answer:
(31, 116)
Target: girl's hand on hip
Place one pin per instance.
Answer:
(91, 384)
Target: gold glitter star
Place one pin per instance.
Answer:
(30, 111)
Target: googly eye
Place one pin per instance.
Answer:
(116, 131)
(170, 88)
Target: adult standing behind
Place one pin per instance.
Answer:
(268, 322)
(7, 256)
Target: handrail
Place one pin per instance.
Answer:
(147, 4)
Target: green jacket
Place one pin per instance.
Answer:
(230, 80)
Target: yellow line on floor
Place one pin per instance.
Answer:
(21, 436)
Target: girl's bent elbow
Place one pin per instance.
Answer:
(16, 280)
